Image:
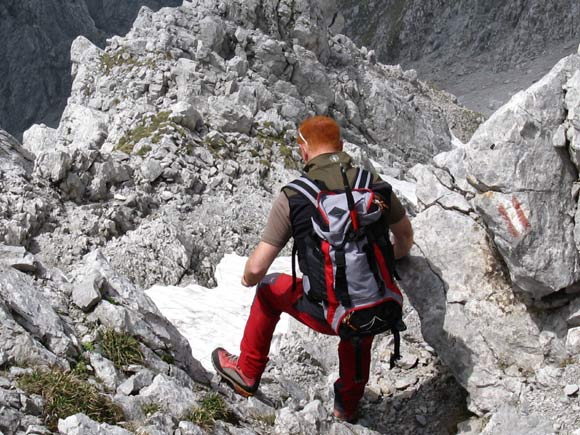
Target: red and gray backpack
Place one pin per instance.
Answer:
(346, 257)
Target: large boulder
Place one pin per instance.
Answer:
(523, 179)
(494, 250)
(133, 312)
(32, 331)
(158, 252)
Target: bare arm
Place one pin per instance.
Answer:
(403, 237)
(259, 262)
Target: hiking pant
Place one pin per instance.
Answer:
(274, 295)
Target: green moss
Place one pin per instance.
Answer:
(268, 420)
(272, 141)
(289, 161)
(143, 151)
(150, 408)
(122, 349)
(168, 358)
(89, 346)
(568, 361)
(81, 368)
(212, 408)
(153, 126)
(66, 394)
(120, 58)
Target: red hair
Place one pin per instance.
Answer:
(321, 132)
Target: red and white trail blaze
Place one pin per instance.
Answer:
(515, 217)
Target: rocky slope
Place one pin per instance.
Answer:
(172, 145)
(174, 141)
(36, 37)
(481, 51)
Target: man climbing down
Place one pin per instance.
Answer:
(339, 218)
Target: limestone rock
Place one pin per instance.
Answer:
(82, 127)
(573, 341)
(14, 158)
(158, 252)
(186, 115)
(138, 315)
(19, 295)
(53, 165)
(452, 303)
(508, 421)
(39, 138)
(166, 391)
(136, 382)
(80, 424)
(17, 257)
(105, 371)
(86, 294)
(511, 161)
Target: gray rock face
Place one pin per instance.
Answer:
(17, 257)
(526, 174)
(457, 275)
(34, 313)
(174, 397)
(37, 36)
(156, 253)
(503, 33)
(13, 157)
(463, 45)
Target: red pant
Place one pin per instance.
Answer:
(274, 296)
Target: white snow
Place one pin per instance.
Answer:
(215, 317)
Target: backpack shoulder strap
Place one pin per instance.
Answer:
(363, 179)
(306, 187)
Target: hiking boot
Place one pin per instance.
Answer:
(226, 365)
(341, 415)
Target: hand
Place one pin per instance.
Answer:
(244, 282)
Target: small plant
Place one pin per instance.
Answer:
(88, 346)
(110, 300)
(268, 420)
(289, 161)
(120, 348)
(81, 368)
(120, 58)
(153, 126)
(65, 394)
(212, 408)
(150, 408)
(168, 358)
(570, 360)
(143, 151)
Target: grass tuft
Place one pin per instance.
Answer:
(65, 394)
(154, 126)
(122, 349)
(150, 408)
(211, 409)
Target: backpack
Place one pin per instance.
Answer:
(349, 260)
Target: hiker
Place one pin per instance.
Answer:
(320, 146)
